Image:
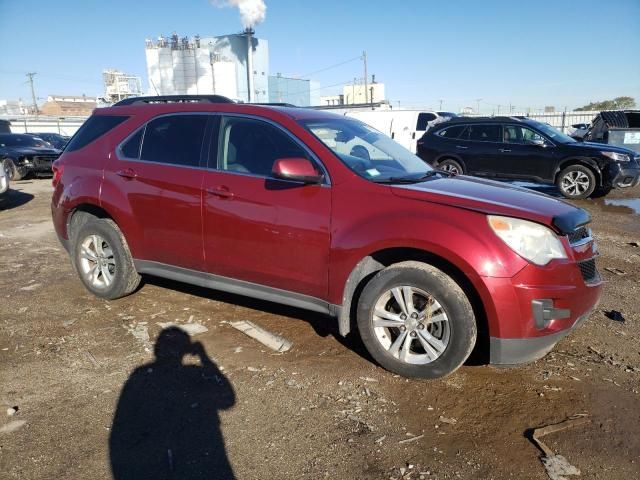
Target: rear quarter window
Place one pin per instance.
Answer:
(93, 128)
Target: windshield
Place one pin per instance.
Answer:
(553, 134)
(366, 151)
(21, 141)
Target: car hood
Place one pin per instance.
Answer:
(31, 151)
(496, 198)
(601, 147)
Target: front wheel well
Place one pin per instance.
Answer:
(576, 161)
(367, 268)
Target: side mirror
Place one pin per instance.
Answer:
(538, 142)
(297, 170)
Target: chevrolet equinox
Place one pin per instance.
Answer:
(322, 212)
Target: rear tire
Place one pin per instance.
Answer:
(452, 166)
(416, 321)
(576, 182)
(103, 260)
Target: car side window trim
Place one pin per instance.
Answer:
(314, 158)
(121, 156)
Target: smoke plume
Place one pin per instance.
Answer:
(252, 12)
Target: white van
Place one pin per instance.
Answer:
(405, 126)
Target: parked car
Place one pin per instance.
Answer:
(619, 128)
(24, 154)
(524, 149)
(269, 202)
(577, 131)
(403, 126)
(5, 183)
(54, 139)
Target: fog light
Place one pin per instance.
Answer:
(544, 311)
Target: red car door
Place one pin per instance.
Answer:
(158, 170)
(260, 229)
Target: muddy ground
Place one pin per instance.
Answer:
(322, 410)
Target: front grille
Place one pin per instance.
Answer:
(44, 161)
(589, 271)
(579, 234)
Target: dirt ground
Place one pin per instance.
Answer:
(82, 373)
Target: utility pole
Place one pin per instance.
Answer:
(366, 85)
(478, 100)
(499, 110)
(440, 104)
(33, 92)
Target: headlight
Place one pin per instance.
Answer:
(530, 240)
(618, 157)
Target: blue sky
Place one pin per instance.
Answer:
(529, 54)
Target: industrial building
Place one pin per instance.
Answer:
(236, 66)
(357, 93)
(119, 85)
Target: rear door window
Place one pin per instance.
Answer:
(485, 133)
(452, 132)
(174, 140)
(93, 128)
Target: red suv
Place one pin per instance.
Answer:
(323, 212)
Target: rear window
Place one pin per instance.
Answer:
(423, 120)
(94, 127)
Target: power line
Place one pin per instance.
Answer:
(359, 57)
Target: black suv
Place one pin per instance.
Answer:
(523, 149)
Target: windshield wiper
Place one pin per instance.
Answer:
(410, 179)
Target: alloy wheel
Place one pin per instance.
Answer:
(411, 325)
(97, 262)
(451, 168)
(575, 183)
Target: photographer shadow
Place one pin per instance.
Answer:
(166, 424)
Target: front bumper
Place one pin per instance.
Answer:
(539, 306)
(625, 176)
(513, 351)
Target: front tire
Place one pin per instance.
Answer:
(576, 182)
(416, 321)
(12, 170)
(452, 166)
(103, 261)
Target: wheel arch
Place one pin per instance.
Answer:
(368, 266)
(82, 212)
(582, 161)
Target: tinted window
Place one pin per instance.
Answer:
(424, 119)
(174, 139)
(131, 148)
(252, 146)
(484, 133)
(94, 127)
(452, 132)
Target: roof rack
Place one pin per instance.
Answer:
(486, 119)
(274, 104)
(174, 99)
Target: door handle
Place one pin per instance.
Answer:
(222, 192)
(129, 173)
(503, 150)
(461, 147)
